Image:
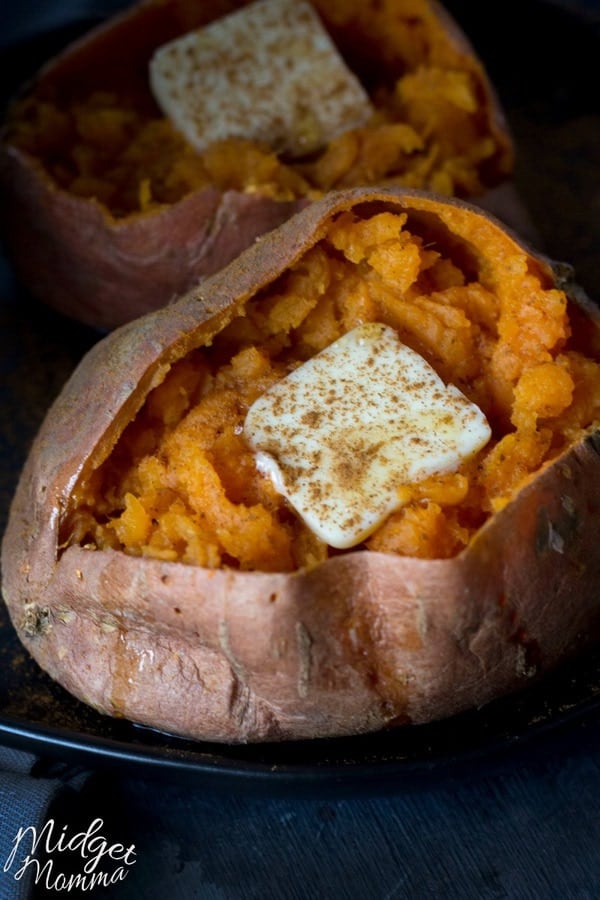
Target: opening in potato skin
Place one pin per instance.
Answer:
(97, 132)
(103, 227)
(358, 642)
(182, 483)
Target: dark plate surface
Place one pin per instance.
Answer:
(543, 60)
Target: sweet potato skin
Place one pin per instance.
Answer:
(104, 272)
(360, 642)
(72, 254)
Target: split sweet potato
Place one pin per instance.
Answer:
(157, 576)
(108, 213)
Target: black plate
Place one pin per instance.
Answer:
(541, 58)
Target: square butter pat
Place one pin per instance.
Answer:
(344, 431)
(268, 72)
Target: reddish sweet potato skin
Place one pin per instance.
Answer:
(105, 272)
(70, 253)
(361, 642)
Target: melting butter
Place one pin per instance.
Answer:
(342, 433)
(268, 72)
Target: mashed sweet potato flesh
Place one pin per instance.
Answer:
(181, 483)
(431, 129)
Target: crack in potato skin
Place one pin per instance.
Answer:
(395, 639)
(182, 484)
(435, 124)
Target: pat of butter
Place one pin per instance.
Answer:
(343, 432)
(268, 72)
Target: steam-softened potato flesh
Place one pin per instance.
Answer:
(431, 128)
(182, 484)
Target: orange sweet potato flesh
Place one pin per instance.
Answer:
(182, 483)
(108, 214)
(361, 640)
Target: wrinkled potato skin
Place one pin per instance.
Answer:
(105, 273)
(361, 642)
(71, 254)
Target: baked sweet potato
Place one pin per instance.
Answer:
(108, 213)
(153, 572)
